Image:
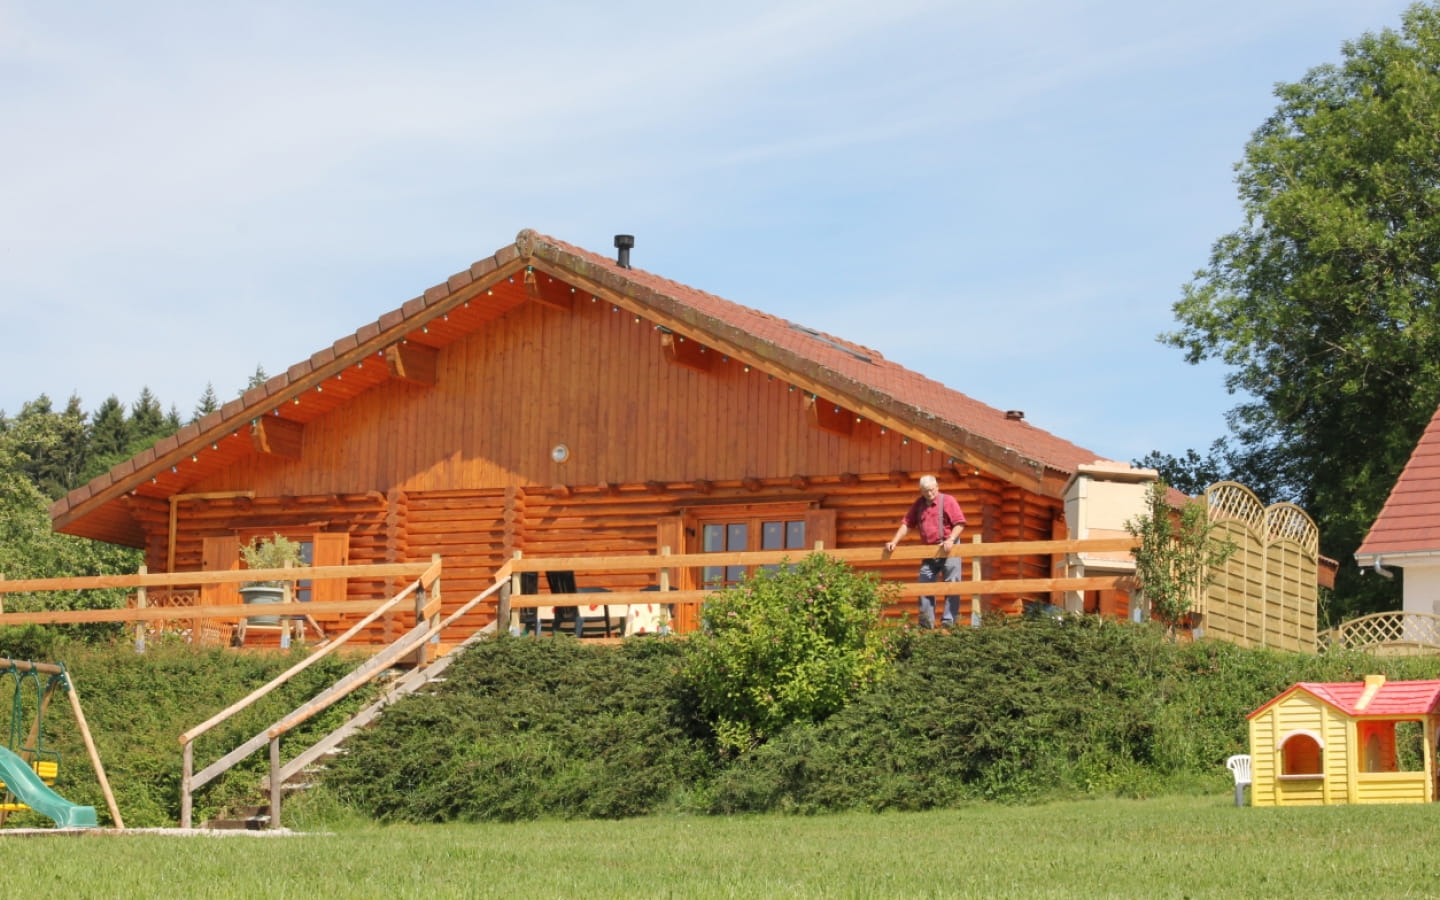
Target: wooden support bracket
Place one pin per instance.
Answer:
(688, 353)
(832, 417)
(546, 289)
(415, 363)
(277, 437)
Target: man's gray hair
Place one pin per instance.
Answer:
(928, 481)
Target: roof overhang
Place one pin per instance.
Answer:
(270, 418)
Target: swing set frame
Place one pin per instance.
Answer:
(31, 748)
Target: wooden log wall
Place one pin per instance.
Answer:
(470, 531)
(475, 531)
(606, 520)
(362, 517)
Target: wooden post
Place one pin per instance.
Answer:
(976, 601)
(502, 609)
(438, 599)
(667, 610)
(141, 601)
(95, 754)
(288, 594)
(275, 782)
(187, 778)
(516, 591)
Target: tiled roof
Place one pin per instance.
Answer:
(1393, 698)
(851, 365)
(841, 371)
(1410, 520)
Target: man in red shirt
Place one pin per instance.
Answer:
(940, 521)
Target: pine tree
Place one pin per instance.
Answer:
(207, 405)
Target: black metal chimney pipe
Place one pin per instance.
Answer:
(623, 243)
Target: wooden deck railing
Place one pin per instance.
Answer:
(663, 562)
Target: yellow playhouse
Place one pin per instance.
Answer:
(1368, 741)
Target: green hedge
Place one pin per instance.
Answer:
(1017, 712)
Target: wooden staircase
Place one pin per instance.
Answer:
(306, 769)
(413, 648)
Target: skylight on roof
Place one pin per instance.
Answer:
(831, 342)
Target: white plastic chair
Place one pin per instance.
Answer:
(1239, 766)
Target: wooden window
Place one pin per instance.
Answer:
(751, 526)
(317, 548)
(754, 532)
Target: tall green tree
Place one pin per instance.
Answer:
(109, 437)
(147, 421)
(30, 549)
(256, 379)
(1323, 304)
(47, 447)
(208, 403)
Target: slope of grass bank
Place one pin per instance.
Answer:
(1019, 712)
(1022, 712)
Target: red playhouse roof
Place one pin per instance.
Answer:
(1386, 699)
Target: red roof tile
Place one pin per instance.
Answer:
(1410, 520)
(1394, 698)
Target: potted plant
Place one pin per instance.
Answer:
(275, 552)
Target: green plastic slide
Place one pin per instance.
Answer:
(31, 791)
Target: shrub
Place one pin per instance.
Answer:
(790, 645)
(526, 728)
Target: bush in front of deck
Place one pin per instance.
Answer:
(794, 644)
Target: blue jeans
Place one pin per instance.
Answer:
(940, 568)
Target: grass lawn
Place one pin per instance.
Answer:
(1169, 847)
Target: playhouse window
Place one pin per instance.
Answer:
(1397, 746)
(1300, 755)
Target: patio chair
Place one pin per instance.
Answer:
(564, 583)
(530, 618)
(1239, 766)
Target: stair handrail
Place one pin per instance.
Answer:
(306, 711)
(427, 625)
(304, 757)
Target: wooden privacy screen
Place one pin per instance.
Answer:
(1266, 593)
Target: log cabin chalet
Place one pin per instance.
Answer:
(556, 402)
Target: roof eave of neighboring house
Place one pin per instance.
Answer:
(1397, 557)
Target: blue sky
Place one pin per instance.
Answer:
(1005, 197)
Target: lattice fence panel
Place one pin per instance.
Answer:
(1266, 593)
(1388, 634)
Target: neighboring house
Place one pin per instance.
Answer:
(1406, 534)
(1368, 741)
(557, 402)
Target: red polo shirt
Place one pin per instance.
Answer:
(927, 518)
